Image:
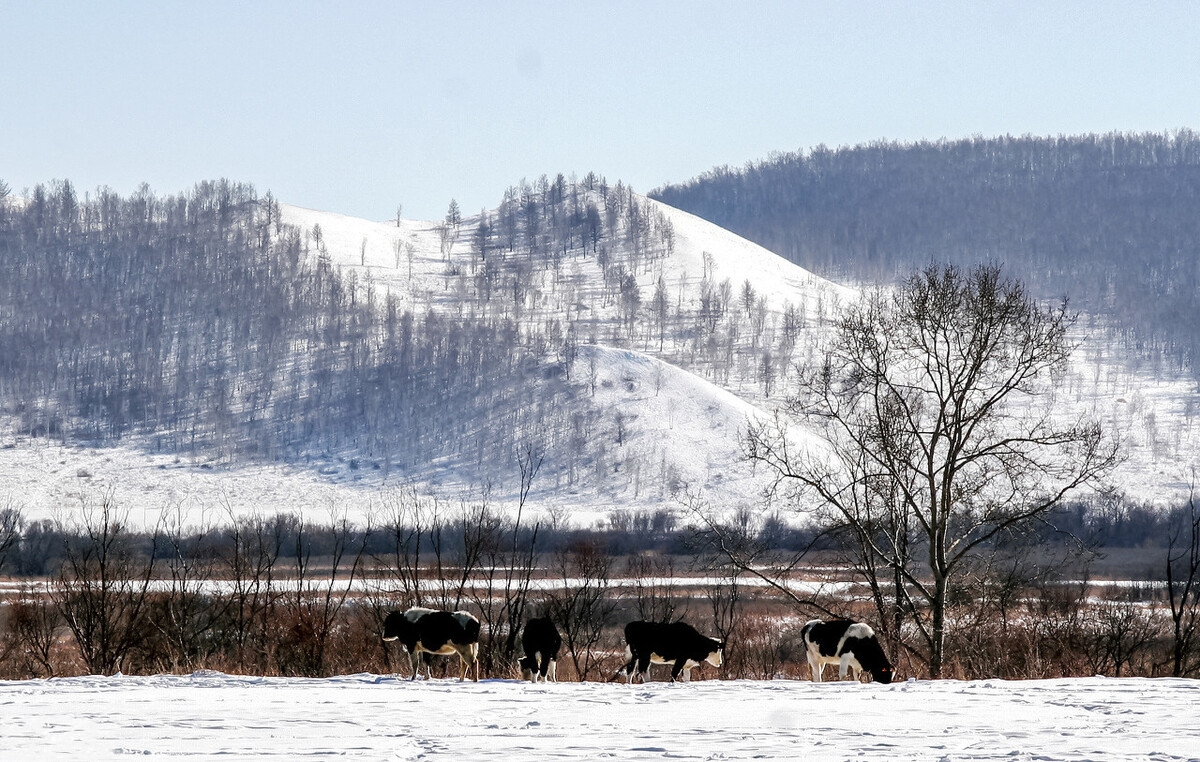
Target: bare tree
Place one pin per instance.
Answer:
(103, 586)
(10, 530)
(659, 309)
(405, 522)
(655, 589)
(934, 404)
(502, 595)
(739, 547)
(253, 548)
(1183, 588)
(320, 590)
(187, 611)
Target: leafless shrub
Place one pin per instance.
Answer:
(310, 612)
(249, 562)
(1121, 631)
(29, 646)
(655, 590)
(1183, 590)
(102, 588)
(581, 607)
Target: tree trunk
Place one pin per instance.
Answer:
(939, 626)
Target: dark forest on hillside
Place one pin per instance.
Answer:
(1112, 221)
(201, 320)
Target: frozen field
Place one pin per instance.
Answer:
(373, 717)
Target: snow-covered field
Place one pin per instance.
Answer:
(373, 717)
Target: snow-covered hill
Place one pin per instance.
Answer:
(1151, 406)
(653, 431)
(660, 410)
(365, 716)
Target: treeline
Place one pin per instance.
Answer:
(282, 594)
(1109, 220)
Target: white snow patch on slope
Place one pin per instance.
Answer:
(405, 259)
(47, 480)
(683, 432)
(739, 260)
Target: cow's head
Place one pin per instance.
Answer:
(392, 626)
(882, 675)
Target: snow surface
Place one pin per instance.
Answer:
(207, 715)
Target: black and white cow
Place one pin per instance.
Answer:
(676, 643)
(444, 633)
(540, 641)
(847, 644)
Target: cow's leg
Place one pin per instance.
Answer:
(844, 665)
(414, 657)
(677, 668)
(553, 671)
(627, 670)
(815, 667)
(643, 667)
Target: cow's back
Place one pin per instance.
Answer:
(824, 637)
(470, 628)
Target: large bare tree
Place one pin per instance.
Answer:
(938, 433)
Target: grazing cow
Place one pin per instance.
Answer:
(540, 641)
(847, 644)
(435, 632)
(677, 644)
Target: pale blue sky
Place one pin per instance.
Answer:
(356, 107)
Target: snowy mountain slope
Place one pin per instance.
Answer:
(670, 430)
(1151, 406)
(407, 260)
(375, 717)
(648, 431)
(404, 259)
(737, 258)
